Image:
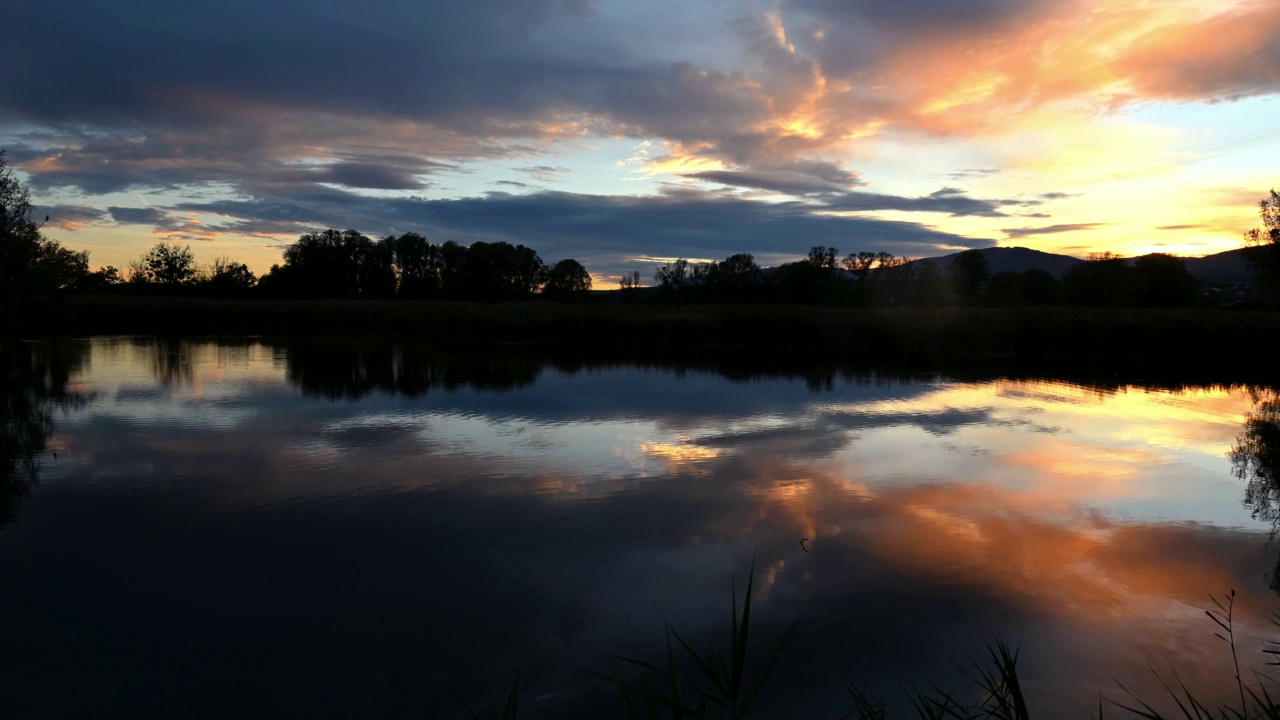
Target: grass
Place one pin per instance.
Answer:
(718, 681)
(1159, 339)
(722, 685)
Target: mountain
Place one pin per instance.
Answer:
(1224, 268)
(1018, 259)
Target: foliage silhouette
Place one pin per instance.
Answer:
(30, 263)
(1255, 459)
(33, 383)
(225, 277)
(165, 264)
(1264, 246)
(566, 279)
(968, 275)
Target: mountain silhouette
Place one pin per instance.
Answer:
(1224, 268)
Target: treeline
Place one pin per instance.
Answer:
(337, 264)
(884, 280)
(346, 264)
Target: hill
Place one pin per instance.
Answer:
(1018, 259)
(1224, 268)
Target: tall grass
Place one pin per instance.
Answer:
(721, 685)
(714, 682)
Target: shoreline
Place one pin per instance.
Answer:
(1157, 343)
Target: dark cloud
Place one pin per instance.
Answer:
(72, 217)
(138, 216)
(796, 179)
(602, 231)
(1182, 227)
(951, 201)
(372, 175)
(1048, 230)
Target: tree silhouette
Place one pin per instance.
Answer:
(968, 272)
(672, 276)
(1255, 459)
(417, 263)
(823, 257)
(501, 271)
(30, 263)
(1166, 281)
(165, 264)
(567, 278)
(1264, 246)
(226, 277)
(33, 382)
(1104, 280)
(334, 264)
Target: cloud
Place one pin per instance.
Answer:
(261, 103)
(951, 201)
(603, 231)
(138, 216)
(1048, 230)
(545, 173)
(73, 217)
(813, 178)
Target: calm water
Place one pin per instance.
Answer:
(233, 529)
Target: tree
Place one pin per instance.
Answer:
(823, 257)
(165, 264)
(334, 264)
(1104, 280)
(501, 271)
(672, 276)
(417, 263)
(1263, 243)
(630, 281)
(100, 279)
(1166, 280)
(225, 276)
(19, 234)
(30, 262)
(967, 273)
(738, 278)
(566, 278)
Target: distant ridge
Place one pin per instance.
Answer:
(1018, 259)
(1225, 268)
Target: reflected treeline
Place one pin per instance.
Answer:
(346, 371)
(352, 369)
(35, 384)
(1255, 459)
(173, 360)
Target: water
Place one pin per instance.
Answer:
(239, 528)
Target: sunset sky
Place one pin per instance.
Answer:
(624, 134)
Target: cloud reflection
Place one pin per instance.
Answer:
(436, 538)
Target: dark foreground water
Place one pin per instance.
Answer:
(241, 529)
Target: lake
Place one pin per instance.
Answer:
(244, 528)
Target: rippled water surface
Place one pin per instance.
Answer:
(233, 529)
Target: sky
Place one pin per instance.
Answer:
(628, 134)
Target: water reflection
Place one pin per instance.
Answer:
(318, 529)
(350, 371)
(1255, 459)
(35, 383)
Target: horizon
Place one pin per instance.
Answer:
(626, 137)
